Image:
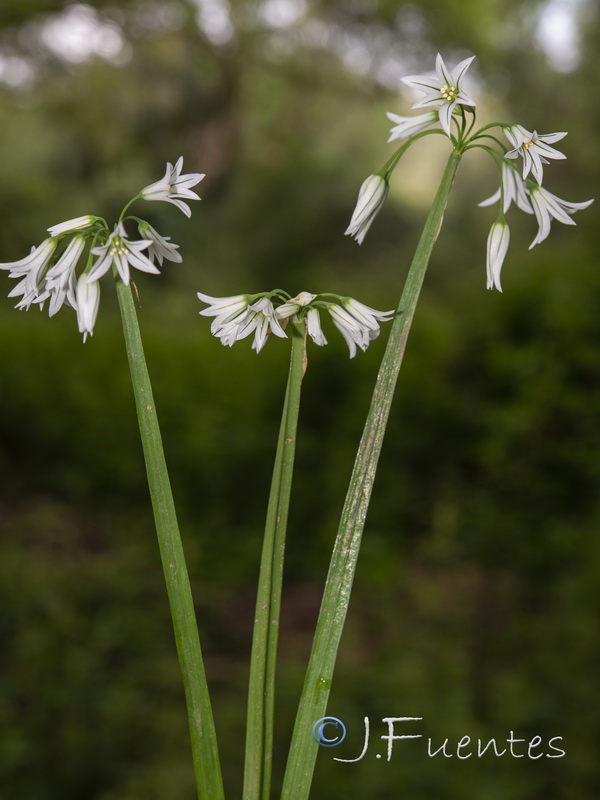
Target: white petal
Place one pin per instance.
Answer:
(139, 261)
(444, 74)
(71, 225)
(100, 267)
(220, 301)
(497, 245)
(463, 99)
(553, 137)
(421, 82)
(429, 100)
(489, 201)
(313, 325)
(347, 336)
(446, 116)
(460, 69)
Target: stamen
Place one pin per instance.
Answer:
(449, 92)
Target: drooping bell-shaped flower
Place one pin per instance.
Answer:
(371, 197)
(174, 187)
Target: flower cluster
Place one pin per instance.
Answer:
(238, 316)
(443, 92)
(49, 272)
(445, 96)
(530, 196)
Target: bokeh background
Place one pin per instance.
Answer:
(477, 596)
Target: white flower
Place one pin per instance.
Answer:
(87, 302)
(38, 258)
(228, 332)
(294, 305)
(515, 189)
(32, 270)
(122, 253)
(160, 246)
(351, 330)
(225, 310)
(31, 290)
(407, 126)
(74, 224)
(357, 323)
(534, 148)
(497, 245)
(174, 186)
(445, 90)
(313, 326)
(366, 315)
(263, 322)
(235, 319)
(60, 279)
(371, 197)
(547, 205)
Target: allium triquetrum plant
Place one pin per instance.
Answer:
(276, 312)
(56, 272)
(51, 274)
(451, 113)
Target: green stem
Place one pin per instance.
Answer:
(259, 733)
(391, 163)
(501, 145)
(319, 674)
(207, 769)
(128, 205)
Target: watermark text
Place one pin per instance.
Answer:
(331, 732)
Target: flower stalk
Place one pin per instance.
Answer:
(317, 683)
(205, 755)
(261, 693)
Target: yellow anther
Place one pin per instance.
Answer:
(449, 92)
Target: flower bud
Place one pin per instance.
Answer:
(88, 302)
(75, 224)
(371, 197)
(497, 245)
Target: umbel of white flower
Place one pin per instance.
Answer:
(444, 93)
(241, 315)
(51, 271)
(532, 199)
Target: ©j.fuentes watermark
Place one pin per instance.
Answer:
(331, 732)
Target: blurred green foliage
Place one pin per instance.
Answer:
(476, 602)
